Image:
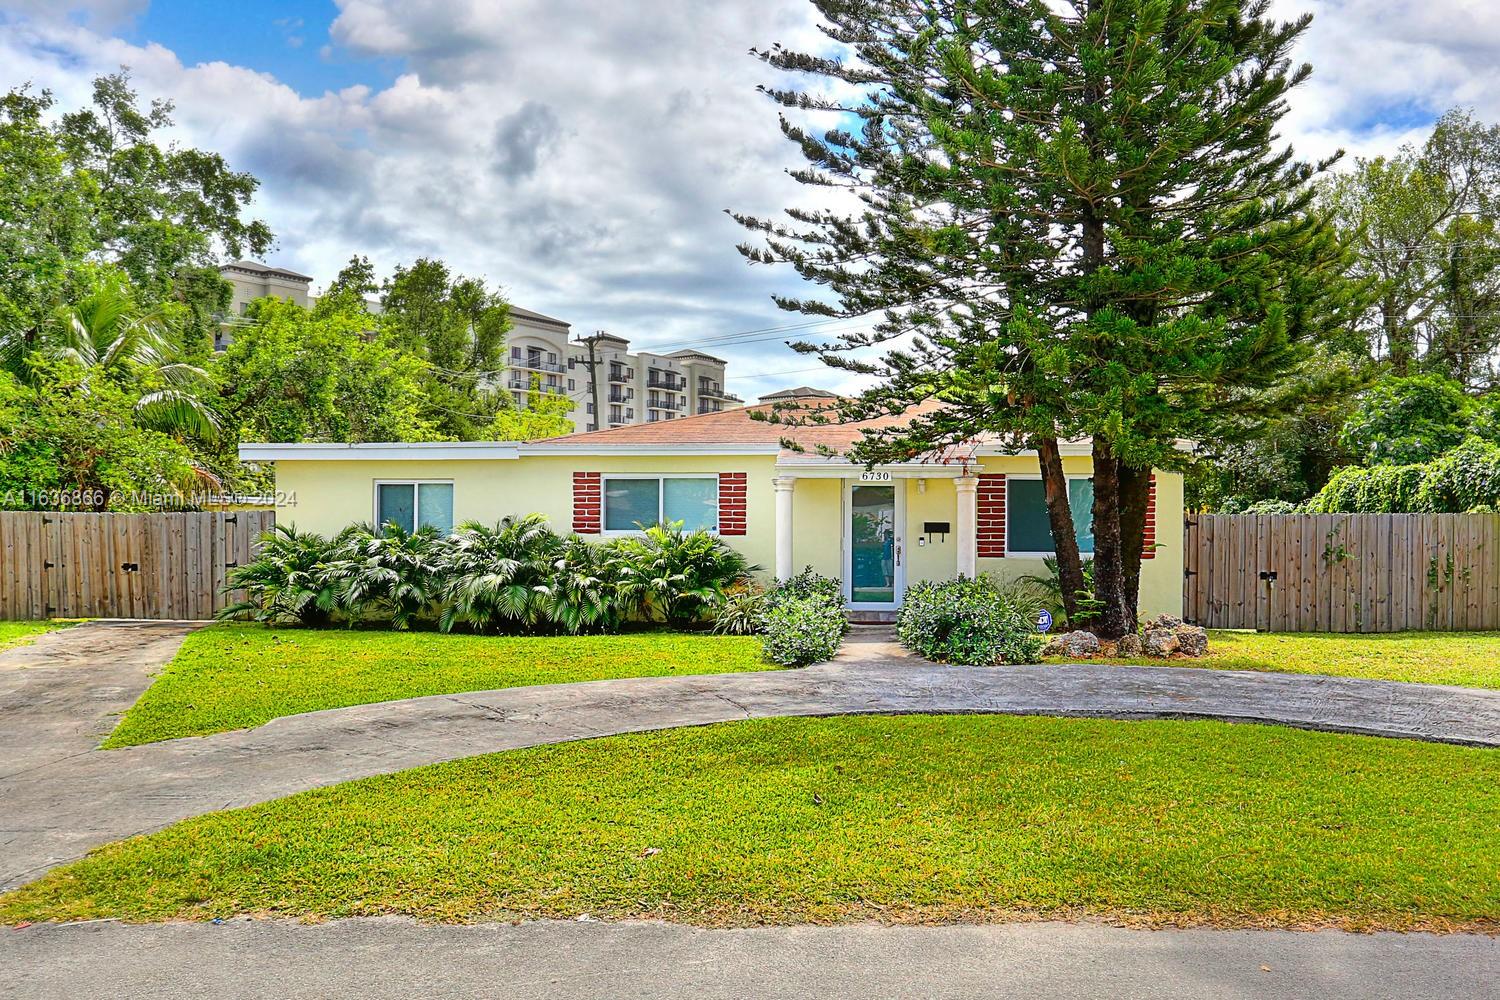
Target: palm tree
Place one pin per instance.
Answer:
(106, 331)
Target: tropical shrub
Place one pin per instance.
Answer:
(390, 574)
(497, 577)
(970, 621)
(802, 620)
(741, 611)
(1046, 592)
(288, 581)
(583, 592)
(674, 576)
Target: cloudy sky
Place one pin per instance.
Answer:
(580, 153)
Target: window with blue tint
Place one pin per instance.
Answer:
(435, 506)
(694, 502)
(413, 505)
(1028, 529)
(395, 503)
(633, 502)
(630, 504)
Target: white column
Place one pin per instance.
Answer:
(967, 535)
(784, 567)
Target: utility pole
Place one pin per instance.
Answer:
(592, 342)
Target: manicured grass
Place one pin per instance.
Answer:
(236, 676)
(913, 818)
(21, 633)
(1468, 659)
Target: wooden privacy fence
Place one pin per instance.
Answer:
(1343, 572)
(160, 566)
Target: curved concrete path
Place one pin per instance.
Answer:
(54, 811)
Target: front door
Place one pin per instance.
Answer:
(873, 572)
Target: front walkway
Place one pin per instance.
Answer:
(55, 810)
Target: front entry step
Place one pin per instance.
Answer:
(870, 617)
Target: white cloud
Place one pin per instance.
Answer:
(581, 153)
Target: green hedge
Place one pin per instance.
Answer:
(1464, 479)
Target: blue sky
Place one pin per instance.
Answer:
(286, 38)
(581, 153)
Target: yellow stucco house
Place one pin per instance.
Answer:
(974, 509)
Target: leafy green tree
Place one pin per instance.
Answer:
(96, 187)
(458, 327)
(545, 415)
(299, 375)
(71, 431)
(1422, 222)
(1072, 222)
(44, 220)
(155, 210)
(1401, 421)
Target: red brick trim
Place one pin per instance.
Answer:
(990, 537)
(1148, 538)
(588, 502)
(732, 494)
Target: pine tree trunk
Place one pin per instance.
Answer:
(1135, 492)
(1060, 515)
(1109, 568)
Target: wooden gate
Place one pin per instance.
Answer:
(1343, 572)
(161, 566)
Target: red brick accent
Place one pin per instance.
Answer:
(1148, 539)
(990, 536)
(588, 502)
(732, 491)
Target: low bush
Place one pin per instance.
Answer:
(802, 620)
(740, 613)
(971, 622)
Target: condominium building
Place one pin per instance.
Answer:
(541, 353)
(634, 388)
(250, 280)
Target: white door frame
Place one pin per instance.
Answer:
(898, 490)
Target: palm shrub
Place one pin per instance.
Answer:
(674, 576)
(390, 574)
(583, 593)
(970, 621)
(288, 581)
(802, 620)
(497, 577)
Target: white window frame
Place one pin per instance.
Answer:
(661, 497)
(1036, 477)
(416, 498)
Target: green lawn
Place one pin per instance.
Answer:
(236, 676)
(912, 818)
(21, 633)
(1469, 659)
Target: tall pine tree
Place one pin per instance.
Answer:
(1074, 220)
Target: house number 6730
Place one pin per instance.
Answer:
(874, 477)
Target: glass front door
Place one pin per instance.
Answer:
(874, 546)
